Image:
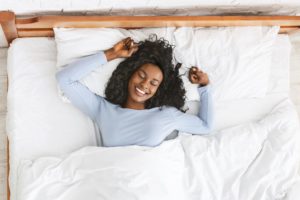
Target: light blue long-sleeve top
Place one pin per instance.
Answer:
(123, 126)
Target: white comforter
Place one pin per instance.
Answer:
(257, 160)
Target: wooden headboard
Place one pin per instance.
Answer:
(42, 26)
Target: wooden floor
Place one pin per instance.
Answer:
(3, 86)
(294, 93)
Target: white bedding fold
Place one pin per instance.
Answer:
(252, 161)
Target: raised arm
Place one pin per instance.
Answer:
(77, 93)
(203, 123)
(80, 95)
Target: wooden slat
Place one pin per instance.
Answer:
(42, 26)
(7, 21)
(50, 32)
(288, 29)
(35, 33)
(46, 22)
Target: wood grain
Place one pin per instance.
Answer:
(7, 21)
(42, 26)
(46, 22)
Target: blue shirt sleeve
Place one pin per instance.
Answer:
(201, 124)
(77, 93)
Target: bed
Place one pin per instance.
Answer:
(32, 90)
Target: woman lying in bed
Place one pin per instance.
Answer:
(144, 95)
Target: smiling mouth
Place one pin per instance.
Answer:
(140, 92)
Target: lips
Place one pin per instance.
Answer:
(140, 92)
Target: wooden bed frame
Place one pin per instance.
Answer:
(42, 26)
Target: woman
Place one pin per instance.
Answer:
(144, 95)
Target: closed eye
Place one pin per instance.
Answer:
(154, 83)
(141, 75)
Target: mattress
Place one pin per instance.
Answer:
(40, 124)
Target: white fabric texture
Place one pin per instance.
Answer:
(75, 43)
(237, 59)
(39, 124)
(230, 113)
(256, 160)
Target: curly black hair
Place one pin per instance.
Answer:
(151, 51)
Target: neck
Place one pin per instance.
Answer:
(134, 105)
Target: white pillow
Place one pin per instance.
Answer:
(237, 59)
(74, 43)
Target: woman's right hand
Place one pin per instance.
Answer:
(123, 49)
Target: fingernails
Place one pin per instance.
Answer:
(128, 44)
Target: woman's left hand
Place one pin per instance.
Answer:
(197, 76)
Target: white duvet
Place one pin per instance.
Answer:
(253, 161)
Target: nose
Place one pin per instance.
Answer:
(144, 84)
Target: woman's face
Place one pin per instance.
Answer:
(143, 84)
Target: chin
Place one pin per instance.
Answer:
(140, 100)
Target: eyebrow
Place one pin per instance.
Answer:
(147, 75)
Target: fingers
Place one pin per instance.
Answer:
(129, 43)
(195, 70)
(133, 49)
(125, 48)
(130, 46)
(198, 76)
(193, 76)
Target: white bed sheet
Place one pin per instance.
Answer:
(39, 124)
(235, 112)
(254, 161)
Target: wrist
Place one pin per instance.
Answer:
(203, 85)
(110, 54)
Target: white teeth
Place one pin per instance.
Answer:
(140, 91)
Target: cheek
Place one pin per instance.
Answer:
(154, 90)
(133, 80)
